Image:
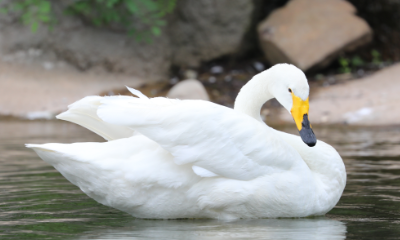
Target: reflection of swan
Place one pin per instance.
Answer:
(274, 229)
(198, 159)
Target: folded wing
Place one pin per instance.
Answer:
(203, 134)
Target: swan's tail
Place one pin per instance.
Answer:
(82, 165)
(91, 166)
(83, 113)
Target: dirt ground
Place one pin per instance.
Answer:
(34, 93)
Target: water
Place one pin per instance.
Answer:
(36, 202)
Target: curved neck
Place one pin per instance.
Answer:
(253, 95)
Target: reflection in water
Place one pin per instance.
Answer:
(36, 202)
(321, 228)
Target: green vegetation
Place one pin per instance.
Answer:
(376, 57)
(32, 12)
(141, 18)
(347, 65)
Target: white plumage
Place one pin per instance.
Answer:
(173, 158)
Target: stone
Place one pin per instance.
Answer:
(188, 89)
(197, 31)
(312, 33)
(202, 30)
(372, 100)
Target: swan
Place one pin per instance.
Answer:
(169, 158)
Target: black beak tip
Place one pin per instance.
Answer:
(311, 143)
(306, 133)
(308, 137)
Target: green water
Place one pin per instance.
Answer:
(36, 202)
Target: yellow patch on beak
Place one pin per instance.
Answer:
(298, 110)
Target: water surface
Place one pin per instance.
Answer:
(36, 202)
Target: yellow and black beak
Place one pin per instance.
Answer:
(300, 115)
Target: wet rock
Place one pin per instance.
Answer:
(311, 33)
(188, 89)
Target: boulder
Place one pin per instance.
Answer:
(198, 30)
(189, 89)
(202, 30)
(311, 33)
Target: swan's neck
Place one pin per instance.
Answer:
(253, 95)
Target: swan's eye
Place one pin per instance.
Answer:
(290, 90)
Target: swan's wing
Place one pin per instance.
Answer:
(207, 135)
(84, 113)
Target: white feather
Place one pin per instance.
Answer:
(137, 93)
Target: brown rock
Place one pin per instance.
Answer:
(311, 33)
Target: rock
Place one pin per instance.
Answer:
(217, 70)
(190, 74)
(311, 33)
(202, 30)
(372, 100)
(188, 89)
(198, 30)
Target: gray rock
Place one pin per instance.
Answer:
(201, 30)
(189, 89)
(311, 33)
(198, 30)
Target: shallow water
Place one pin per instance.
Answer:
(36, 202)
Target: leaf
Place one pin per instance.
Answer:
(344, 62)
(375, 53)
(111, 3)
(156, 31)
(45, 7)
(18, 6)
(44, 18)
(34, 26)
(161, 22)
(149, 4)
(130, 4)
(3, 10)
(357, 61)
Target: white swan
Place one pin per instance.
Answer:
(196, 159)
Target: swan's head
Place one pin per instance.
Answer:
(291, 89)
